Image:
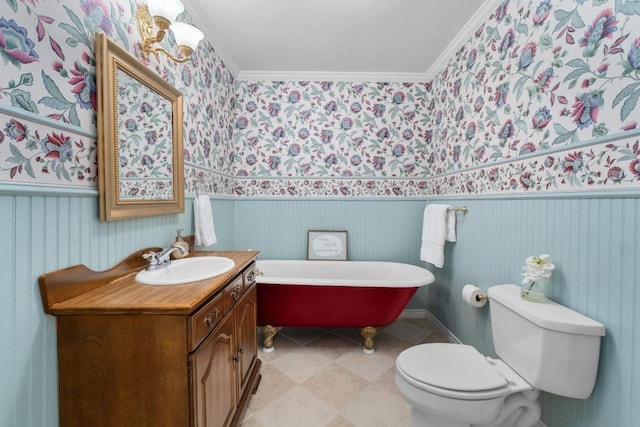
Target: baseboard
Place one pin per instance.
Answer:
(413, 313)
(443, 329)
(419, 313)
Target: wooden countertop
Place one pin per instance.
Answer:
(123, 295)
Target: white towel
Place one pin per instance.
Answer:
(205, 234)
(438, 226)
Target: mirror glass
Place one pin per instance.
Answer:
(139, 138)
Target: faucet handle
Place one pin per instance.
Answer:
(150, 254)
(155, 260)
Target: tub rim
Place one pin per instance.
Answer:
(426, 277)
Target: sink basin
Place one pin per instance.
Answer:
(186, 270)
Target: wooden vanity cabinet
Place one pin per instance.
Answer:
(133, 355)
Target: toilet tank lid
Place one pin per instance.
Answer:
(548, 314)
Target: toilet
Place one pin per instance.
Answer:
(541, 347)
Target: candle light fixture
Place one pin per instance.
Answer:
(155, 18)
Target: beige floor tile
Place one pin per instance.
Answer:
(351, 334)
(281, 345)
(272, 385)
(321, 378)
(300, 364)
(368, 366)
(411, 330)
(296, 408)
(336, 385)
(304, 336)
(376, 407)
(390, 345)
(340, 422)
(251, 421)
(436, 337)
(331, 346)
(388, 380)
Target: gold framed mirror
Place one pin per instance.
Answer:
(140, 154)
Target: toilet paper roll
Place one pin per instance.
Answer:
(474, 296)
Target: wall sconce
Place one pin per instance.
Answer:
(162, 13)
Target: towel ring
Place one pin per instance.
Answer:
(196, 180)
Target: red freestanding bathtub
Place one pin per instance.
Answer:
(362, 294)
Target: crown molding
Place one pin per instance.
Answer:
(256, 76)
(479, 18)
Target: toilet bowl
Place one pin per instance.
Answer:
(461, 387)
(541, 347)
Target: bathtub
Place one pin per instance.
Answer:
(362, 294)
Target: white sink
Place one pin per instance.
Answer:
(186, 270)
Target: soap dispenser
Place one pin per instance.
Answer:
(182, 244)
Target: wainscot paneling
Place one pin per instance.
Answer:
(42, 233)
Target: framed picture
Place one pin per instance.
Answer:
(327, 245)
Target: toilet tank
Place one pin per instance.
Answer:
(554, 348)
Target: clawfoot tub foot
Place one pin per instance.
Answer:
(368, 333)
(269, 332)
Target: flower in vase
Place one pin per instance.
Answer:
(537, 268)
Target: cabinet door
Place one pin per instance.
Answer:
(246, 338)
(214, 385)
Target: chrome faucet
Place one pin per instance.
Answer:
(158, 260)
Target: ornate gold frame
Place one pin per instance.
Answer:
(110, 59)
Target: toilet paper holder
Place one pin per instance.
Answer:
(482, 297)
(474, 296)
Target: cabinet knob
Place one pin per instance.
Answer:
(236, 293)
(211, 319)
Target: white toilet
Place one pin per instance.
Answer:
(542, 346)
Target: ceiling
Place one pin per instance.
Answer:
(302, 39)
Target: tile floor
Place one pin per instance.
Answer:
(321, 378)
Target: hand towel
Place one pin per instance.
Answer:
(438, 226)
(451, 224)
(205, 234)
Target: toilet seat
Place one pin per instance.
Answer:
(452, 370)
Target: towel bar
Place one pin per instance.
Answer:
(463, 209)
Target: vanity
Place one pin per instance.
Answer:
(140, 355)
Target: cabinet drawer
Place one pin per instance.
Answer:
(205, 320)
(232, 293)
(249, 276)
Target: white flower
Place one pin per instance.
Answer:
(537, 268)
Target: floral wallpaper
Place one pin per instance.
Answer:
(540, 98)
(48, 93)
(332, 129)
